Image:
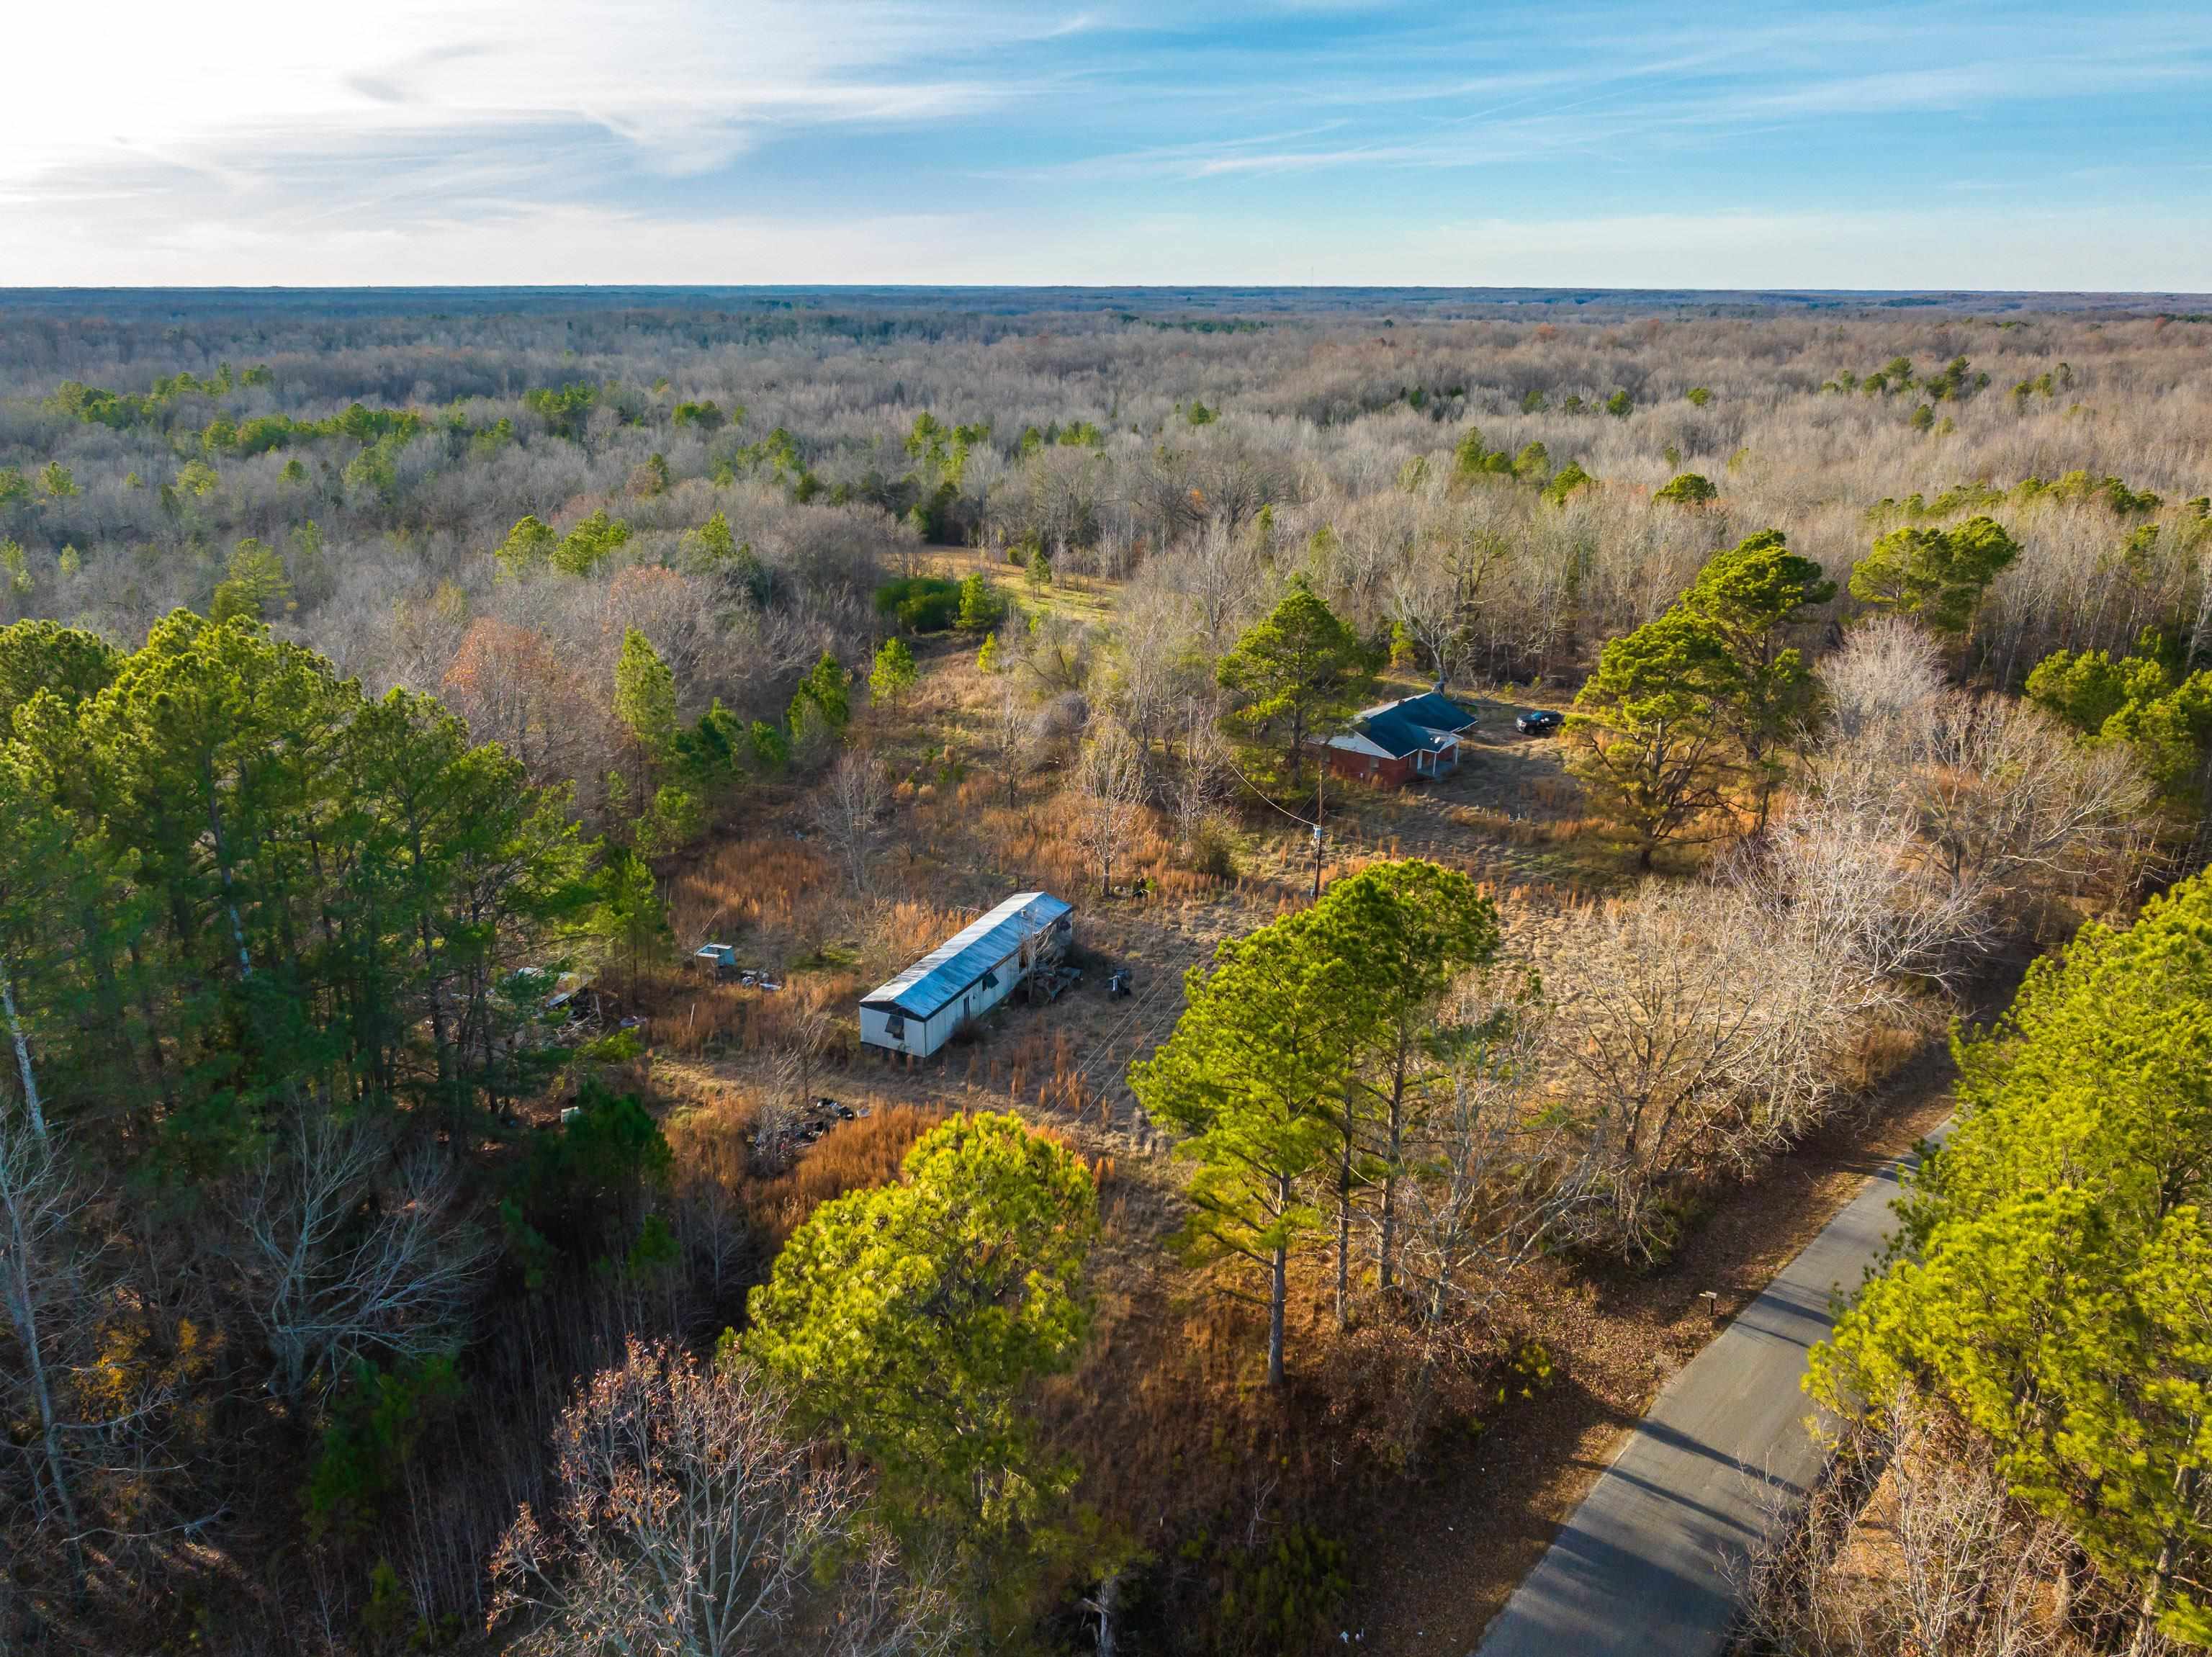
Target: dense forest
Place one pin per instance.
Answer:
(407, 1248)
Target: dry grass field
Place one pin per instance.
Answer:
(1167, 1414)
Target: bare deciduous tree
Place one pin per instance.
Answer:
(1218, 572)
(1654, 1024)
(1483, 1182)
(1694, 1030)
(1887, 670)
(783, 1103)
(2007, 797)
(39, 1284)
(1006, 739)
(1110, 791)
(690, 1520)
(709, 1216)
(1202, 783)
(1845, 865)
(1423, 600)
(1937, 1559)
(849, 812)
(338, 1252)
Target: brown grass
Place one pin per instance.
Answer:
(763, 893)
(852, 1155)
(1524, 831)
(695, 1017)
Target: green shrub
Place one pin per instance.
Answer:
(1277, 1597)
(919, 604)
(1688, 489)
(581, 1189)
(376, 1422)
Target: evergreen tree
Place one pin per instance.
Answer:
(645, 695)
(1689, 489)
(915, 1319)
(1651, 728)
(255, 884)
(981, 608)
(1937, 576)
(44, 655)
(630, 921)
(590, 544)
(1405, 932)
(1755, 595)
(1296, 671)
(2137, 700)
(894, 674)
(2055, 1287)
(528, 546)
(256, 586)
(1253, 1073)
(824, 690)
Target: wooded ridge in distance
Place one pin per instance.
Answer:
(409, 1246)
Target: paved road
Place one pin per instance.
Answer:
(1639, 1569)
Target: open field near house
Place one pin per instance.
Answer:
(1168, 1387)
(1509, 818)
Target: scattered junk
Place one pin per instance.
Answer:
(1053, 983)
(782, 1132)
(566, 989)
(1118, 982)
(721, 960)
(1018, 945)
(822, 1115)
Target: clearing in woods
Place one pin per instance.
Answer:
(1443, 1549)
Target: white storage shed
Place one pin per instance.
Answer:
(965, 976)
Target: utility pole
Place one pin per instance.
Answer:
(1321, 770)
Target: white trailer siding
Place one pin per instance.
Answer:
(963, 978)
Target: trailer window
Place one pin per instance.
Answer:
(895, 1027)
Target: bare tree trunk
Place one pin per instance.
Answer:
(229, 898)
(1344, 1221)
(1109, 1593)
(1387, 1247)
(28, 1177)
(31, 1105)
(2145, 1640)
(1278, 1293)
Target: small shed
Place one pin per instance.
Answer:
(1396, 741)
(965, 977)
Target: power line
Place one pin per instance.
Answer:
(1258, 792)
(1314, 826)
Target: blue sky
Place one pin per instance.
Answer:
(1969, 144)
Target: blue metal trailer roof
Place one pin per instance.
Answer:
(941, 977)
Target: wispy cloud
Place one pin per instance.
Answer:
(298, 137)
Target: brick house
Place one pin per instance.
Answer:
(1417, 736)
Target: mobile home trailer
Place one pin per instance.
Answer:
(965, 977)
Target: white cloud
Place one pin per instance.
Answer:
(682, 81)
(519, 246)
(1981, 249)
(718, 140)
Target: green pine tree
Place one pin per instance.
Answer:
(1297, 671)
